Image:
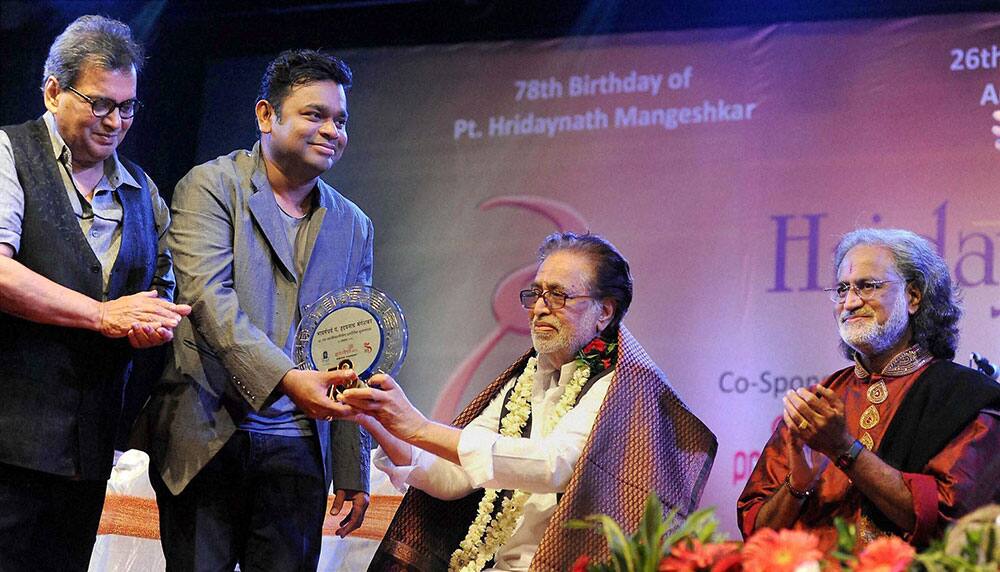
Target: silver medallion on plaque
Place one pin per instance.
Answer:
(356, 327)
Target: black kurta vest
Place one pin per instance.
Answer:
(61, 388)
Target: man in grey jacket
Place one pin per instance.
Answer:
(244, 444)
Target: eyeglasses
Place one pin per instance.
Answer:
(865, 289)
(553, 298)
(103, 107)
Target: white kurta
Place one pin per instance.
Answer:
(539, 465)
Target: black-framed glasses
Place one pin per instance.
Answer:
(554, 299)
(103, 107)
(865, 289)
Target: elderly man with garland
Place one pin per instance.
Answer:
(902, 442)
(584, 423)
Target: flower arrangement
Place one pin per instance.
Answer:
(660, 545)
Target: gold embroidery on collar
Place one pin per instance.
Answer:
(904, 363)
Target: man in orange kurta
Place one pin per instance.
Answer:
(904, 441)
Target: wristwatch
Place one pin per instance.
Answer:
(846, 459)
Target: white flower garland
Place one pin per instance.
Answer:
(488, 532)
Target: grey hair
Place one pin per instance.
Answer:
(91, 40)
(935, 323)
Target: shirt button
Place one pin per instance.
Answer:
(93, 233)
(95, 268)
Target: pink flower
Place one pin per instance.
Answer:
(770, 551)
(885, 554)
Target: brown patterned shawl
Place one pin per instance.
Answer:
(644, 439)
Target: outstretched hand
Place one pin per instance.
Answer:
(385, 401)
(309, 390)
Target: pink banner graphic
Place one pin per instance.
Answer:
(724, 163)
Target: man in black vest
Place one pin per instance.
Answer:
(84, 279)
(902, 442)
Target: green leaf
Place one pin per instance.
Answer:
(707, 533)
(622, 551)
(696, 522)
(651, 526)
(846, 540)
(652, 540)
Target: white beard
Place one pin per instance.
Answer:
(552, 343)
(871, 338)
(567, 339)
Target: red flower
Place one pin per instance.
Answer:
(693, 556)
(581, 563)
(770, 551)
(885, 554)
(597, 344)
(732, 562)
(605, 363)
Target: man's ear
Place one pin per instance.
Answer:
(50, 93)
(913, 297)
(266, 115)
(607, 312)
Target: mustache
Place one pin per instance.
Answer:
(861, 313)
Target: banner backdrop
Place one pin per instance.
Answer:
(723, 163)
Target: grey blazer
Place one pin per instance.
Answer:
(235, 267)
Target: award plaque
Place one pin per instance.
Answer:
(356, 327)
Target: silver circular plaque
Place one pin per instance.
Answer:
(356, 327)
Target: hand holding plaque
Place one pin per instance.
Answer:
(357, 327)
